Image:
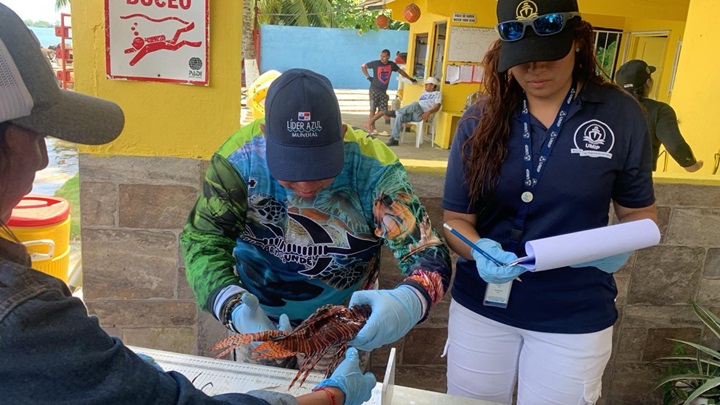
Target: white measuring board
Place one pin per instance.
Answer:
(217, 376)
(388, 384)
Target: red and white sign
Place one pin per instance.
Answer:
(157, 40)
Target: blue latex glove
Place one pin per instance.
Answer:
(608, 264)
(248, 317)
(491, 272)
(150, 361)
(351, 381)
(394, 313)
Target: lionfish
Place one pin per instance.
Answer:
(331, 326)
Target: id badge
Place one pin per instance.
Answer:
(497, 295)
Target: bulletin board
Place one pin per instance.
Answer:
(469, 44)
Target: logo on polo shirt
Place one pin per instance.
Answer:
(594, 139)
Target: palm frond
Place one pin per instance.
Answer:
(710, 320)
(688, 359)
(703, 389)
(704, 349)
(690, 379)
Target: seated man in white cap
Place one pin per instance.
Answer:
(428, 103)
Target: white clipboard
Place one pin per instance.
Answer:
(585, 246)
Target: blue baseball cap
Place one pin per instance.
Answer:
(303, 127)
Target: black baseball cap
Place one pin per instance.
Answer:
(633, 73)
(532, 47)
(303, 127)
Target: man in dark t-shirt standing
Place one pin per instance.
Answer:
(379, 80)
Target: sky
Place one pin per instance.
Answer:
(36, 10)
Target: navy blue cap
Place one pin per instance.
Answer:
(303, 127)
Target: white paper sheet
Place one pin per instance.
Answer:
(466, 73)
(477, 74)
(453, 74)
(580, 247)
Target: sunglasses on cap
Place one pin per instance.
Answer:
(543, 25)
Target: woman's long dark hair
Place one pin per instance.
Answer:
(485, 150)
(638, 92)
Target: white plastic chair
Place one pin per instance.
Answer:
(421, 127)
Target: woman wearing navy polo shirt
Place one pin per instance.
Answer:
(544, 152)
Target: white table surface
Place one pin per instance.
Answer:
(217, 376)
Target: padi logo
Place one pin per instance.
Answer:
(594, 139)
(526, 10)
(195, 64)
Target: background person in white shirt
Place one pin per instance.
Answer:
(428, 103)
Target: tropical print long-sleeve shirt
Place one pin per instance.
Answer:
(296, 254)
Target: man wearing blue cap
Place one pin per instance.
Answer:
(293, 214)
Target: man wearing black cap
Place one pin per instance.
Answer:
(544, 152)
(51, 351)
(293, 215)
(635, 77)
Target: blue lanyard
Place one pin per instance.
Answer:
(531, 177)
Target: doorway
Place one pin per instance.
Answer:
(439, 50)
(650, 47)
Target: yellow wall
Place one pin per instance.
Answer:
(675, 10)
(165, 119)
(675, 31)
(697, 83)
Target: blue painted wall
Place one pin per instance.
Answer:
(336, 53)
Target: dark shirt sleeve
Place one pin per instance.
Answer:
(668, 133)
(51, 352)
(633, 186)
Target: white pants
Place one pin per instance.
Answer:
(486, 358)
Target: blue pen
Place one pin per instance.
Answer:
(474, 247)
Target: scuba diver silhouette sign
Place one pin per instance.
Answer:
(143, 45)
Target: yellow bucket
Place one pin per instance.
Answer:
(257, 91)
(42, 224)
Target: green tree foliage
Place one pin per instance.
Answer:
(306, 13)
(606, 58)
(41, 24)
(321, 13)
